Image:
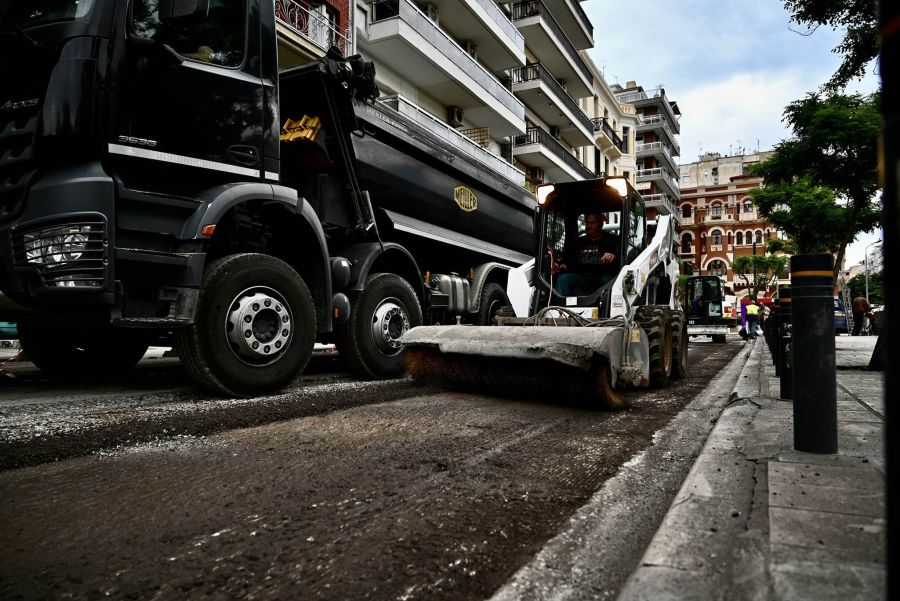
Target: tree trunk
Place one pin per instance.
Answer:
(845, 239)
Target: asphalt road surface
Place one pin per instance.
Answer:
(336, 489)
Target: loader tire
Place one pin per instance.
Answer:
(368, 343)
(493, 299)
(654, 320)
(679, 345)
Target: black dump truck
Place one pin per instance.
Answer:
(162, 181)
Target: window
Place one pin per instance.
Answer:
(759, 237)
(218, 39)
(686, 211)
(717, 238)
(748, 206)
(739, 238)
(716, 267)
(686, 243)
(716, 211)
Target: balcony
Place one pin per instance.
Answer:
(656, 97)
(659, 178)
(485, 29)
(660, 126)
(534, 85)
(307, 34)
(546, 39)
(537, 148)
(664, 205)
(607, 138)
(687, 251)
(574, 22)
(658, 151)
(398, 104)
(437, 65)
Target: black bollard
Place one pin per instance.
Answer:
(812, 349)
(775, 349)
(785, 359)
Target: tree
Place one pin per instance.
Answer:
(857, 285)
(757, 271)
(861, 43)
(834, 146)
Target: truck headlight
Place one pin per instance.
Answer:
(53, 246)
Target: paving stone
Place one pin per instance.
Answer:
(851, 477)
(859, 537)
(658, 583)
(828, 581)
(837, 500)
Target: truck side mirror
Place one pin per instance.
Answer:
(182, 11)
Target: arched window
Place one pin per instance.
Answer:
(716, 267)
(686, 212)
(759, 237)
(748, 206)
(739, 239)
(715, 210)
(686, 243)
(716, 237)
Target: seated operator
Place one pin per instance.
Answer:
(591, 262)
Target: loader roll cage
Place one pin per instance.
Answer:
(561, 220)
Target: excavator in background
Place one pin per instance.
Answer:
(631, 331)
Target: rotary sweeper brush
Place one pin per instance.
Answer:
(595, 311)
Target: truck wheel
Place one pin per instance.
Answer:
(654, 320)
(70, 352)
(493, 298)
(255, 326)
(369, 342)
(679, 345)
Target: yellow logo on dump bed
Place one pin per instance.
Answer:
(465, 198)
(307, 128)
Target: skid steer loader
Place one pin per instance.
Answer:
(629, 331)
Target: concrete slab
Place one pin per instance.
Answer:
(827, 581)
(837, 500)
(728, 476)
(860, 538)
(850, 477)
(659, 583)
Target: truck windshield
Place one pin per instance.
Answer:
(42, 12)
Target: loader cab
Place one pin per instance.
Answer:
(564, 212)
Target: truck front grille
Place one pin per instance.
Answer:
(73, 254)
(17, 131)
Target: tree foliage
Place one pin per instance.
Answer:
(834, 146)
(757, 271)
(861, 43)
(857, 285)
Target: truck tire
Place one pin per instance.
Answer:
(679, 345)
(493, 299)
(254, 329)
(368, 343)
(654, 320)
(76, 352)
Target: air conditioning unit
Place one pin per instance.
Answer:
(455, 116)
(432, 12)
(554, 131)
(471, 49)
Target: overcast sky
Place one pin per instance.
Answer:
(731, 66)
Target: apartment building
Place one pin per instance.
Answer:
(306, 30)
(656, 145)
(719, 221)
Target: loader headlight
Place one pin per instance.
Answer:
(619, 185)
(543, 192)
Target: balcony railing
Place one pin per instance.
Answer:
(447, 46)
(663, 200)
(533, 8)
(536, 135)
(653, 146)
(502, 21)
(660, 120)
(312, 26)
(537, 71)
(658, 172)
(398, 104)
(601, 124)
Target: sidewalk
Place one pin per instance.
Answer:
(757, 520)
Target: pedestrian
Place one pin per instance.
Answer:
(752, 313)
(860, 307)
(763, 316)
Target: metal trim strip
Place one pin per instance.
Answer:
(166, 157)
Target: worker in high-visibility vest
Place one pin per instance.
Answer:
(752, 313)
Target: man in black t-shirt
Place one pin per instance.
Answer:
(591, 262)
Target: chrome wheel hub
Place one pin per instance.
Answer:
(259, 325)
(389, 322)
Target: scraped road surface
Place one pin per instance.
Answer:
(335, 490)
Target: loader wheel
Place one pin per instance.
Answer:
(654, 320)
(255, 326)
(369, 342)
(493, 298)
(79, 352)
(679, 345)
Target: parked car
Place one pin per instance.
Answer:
(842, 321)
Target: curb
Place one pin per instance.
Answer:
(693, 554)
